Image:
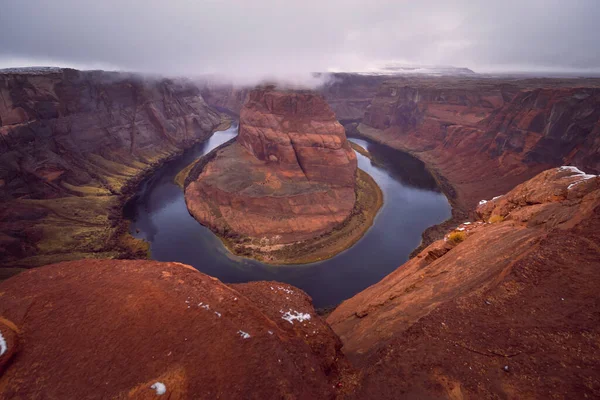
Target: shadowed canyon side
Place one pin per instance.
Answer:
(504, 306)
(289, 177)
(485, 136)
(73, 143)
(188, 335)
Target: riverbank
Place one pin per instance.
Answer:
(369, 199)
(460, 212)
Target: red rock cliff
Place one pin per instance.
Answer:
(71, 143)
(289, 176)
(504, 306)
(487, 136)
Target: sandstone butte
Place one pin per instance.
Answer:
(290, 175)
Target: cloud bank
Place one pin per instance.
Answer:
(248, 40)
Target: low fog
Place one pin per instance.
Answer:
(274, 39)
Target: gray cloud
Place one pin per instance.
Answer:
(277, 38)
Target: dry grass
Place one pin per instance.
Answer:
(180, 177)
(359, 149)
(496, 218)
(457, 237)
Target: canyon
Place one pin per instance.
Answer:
(497, 302)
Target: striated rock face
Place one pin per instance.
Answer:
(127, 329)
(72, 143)
(507, 309)
(288, 177)
(487, 136)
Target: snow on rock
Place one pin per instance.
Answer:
(292, 315)
(160, 388)
(466, 223)
(482, 202)
(3, 345)
(576, 171)
(280, 288)
(218, 314)
(244, 335)
(497, 197)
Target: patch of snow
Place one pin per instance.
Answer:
(270, 332)
(460, 229)
(244, 335)
(206, 307)
(292, 315)
(3, 345)
(482, 202)
(582, 175)
(583, 179)
(497, 197)
(160, 388)
(218, 314)
(466, 223)
(569, 168)
(288, 291)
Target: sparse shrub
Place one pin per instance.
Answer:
(496, 218)
(457, 237)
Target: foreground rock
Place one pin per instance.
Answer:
(73, 143)
(503, 307)
(289, 177)
(131, 329)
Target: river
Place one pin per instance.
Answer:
(412, 202)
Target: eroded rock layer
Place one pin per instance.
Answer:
(290, 175)
(485, 136)
(109, 329)
(504, 306)
(72, 143)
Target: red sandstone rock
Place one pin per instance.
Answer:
(289, 176)
(111, 329)
(520, 292)
(485, 137)
(83, 138)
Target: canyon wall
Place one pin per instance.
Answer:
(485, 136)
(289, 176)
(504, 306)
(72, 143)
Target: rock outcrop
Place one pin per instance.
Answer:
(485, 136)
(503, 307)
(72, 144)
(290, 175)
(108, 329)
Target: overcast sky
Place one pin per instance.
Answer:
(257, 38)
